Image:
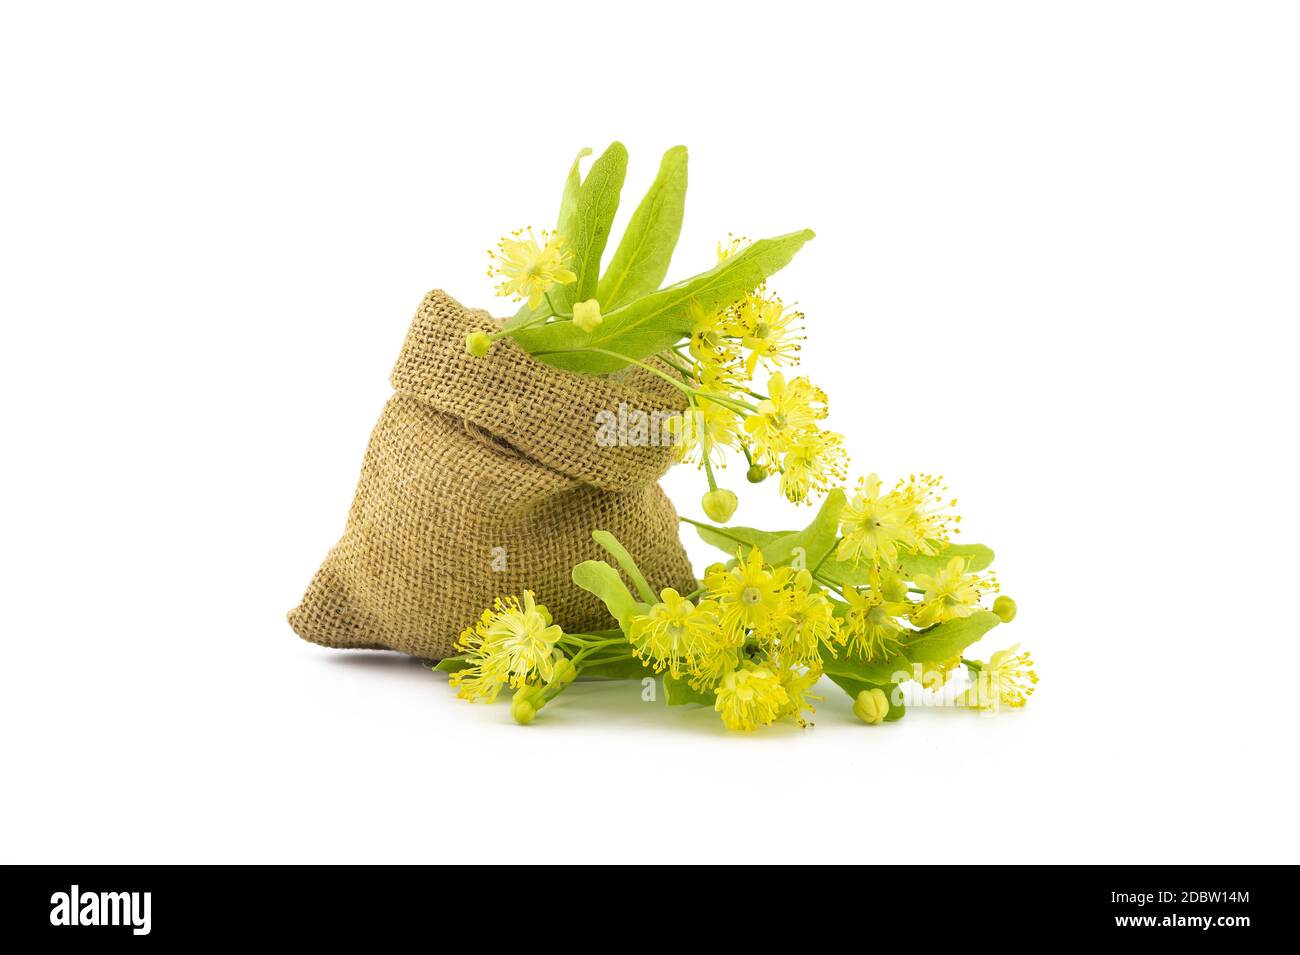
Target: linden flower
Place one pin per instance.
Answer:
(530, 268)
(1007, 679)
(798, 686)
(935, 675)
(729, 247)
(709, 344)
(514, 642)
(949, 594)
(481, 681)
(750, 696)
(707, 341)
(675, 634)
(920, 502)
(815, 461)
(870, 627)
(768, 330)
(789, 412)
(873, 526)
(706, 426)
(750, 596)
(811, 623)
(710, 670)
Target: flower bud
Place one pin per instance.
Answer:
(586, 315)
(522, 709)
(894, 589)
(526, 702)
(719, 504)
(871, 706)
(1005, 608)
(756, 474)
(477, 344)
(564, 672)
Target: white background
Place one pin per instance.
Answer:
(1056, 262)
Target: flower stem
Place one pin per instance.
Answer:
(685, 389)
(554, 311)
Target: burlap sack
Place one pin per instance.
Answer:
(484, 476)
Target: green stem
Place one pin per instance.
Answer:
(613, 354)
(586, 652)
(833, 585)
(711, 527)
(554, 310)
(706, 445)
(716, 399)
(608, 658)
(684, 372)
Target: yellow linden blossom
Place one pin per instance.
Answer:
(512, 643)
(530, 268)
(935, 675)
(873, 526)
(789, 412)
(750, 596)
(480, 681)
(920, 505)
(707, 424)
(870, 627)
(1008, 679)
(750, 696)
(949, 594)
(768, 331)
(709, 344)
(798, 686)
(815, 461)
(710, 670)
(811, 623)
(675, 634)
(733, 244)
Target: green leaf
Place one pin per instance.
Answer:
(946, 640)
(629, 669)
(816, 539)
(660, 319)
(586, 227)
(853, 687)
(641, 260)
(779, 547)
(877, 673)
(599, 578)
(616, 550)
(727, 539)
(678, 692)
(978, 557)
(452, 664)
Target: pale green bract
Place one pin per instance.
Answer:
(599, 578)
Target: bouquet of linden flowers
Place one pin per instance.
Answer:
(709, 336)
(872, 594)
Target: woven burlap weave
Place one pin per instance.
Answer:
(484, 476)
